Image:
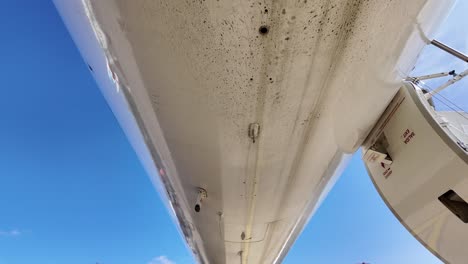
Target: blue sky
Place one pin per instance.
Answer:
(73, 191)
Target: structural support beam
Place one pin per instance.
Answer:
(450, 50)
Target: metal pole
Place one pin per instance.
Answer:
(450, 50)
(430, 76)
(455, 79)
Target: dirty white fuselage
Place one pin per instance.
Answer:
(186, 79)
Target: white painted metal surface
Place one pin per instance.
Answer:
(186, 79)
(427, 162)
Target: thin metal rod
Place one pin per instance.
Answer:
(433, 76)
(450, 50)
(430, 76)
(455, 79)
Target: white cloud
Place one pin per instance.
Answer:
(10, 233)
(161, 260)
